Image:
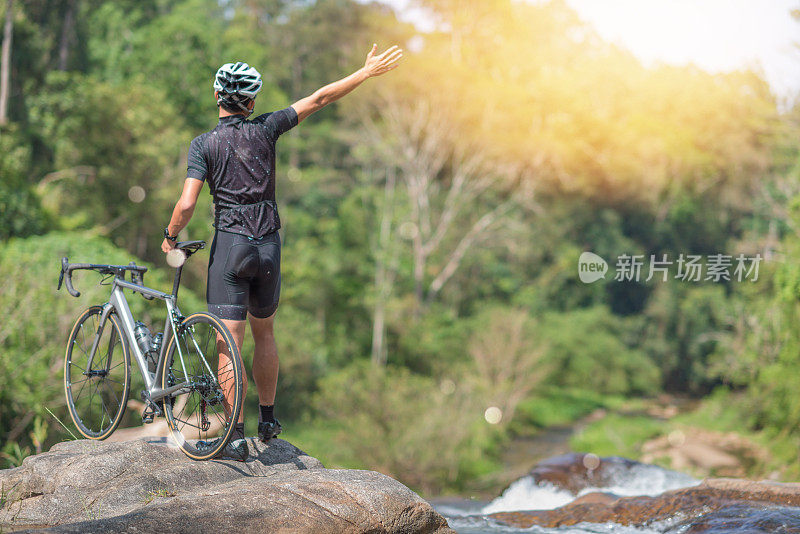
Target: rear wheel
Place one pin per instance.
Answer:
(96, 394)
(204, 361)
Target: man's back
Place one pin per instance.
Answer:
(237, 159)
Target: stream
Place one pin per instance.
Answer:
(524, 492)
(468, 517)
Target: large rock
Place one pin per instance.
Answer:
(728, 501)
(147, 486)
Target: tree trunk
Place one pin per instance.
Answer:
(445, 180)
(383, 282)
(5, 61)
(419, 274)
(66, 34)
(297, 72)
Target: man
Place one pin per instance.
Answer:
(237, 159)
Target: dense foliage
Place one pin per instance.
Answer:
(433, 220)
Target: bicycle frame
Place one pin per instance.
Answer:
(119, 303)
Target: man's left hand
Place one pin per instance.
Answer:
(167, 245)
(377, 65)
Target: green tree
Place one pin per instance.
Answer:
(20, 210)
(593, 348)
(114, 160)
(385, 413)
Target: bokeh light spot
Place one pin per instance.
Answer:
(591, 461)
(447, 386)
(493, 415)
(136, 193)
(408, 230)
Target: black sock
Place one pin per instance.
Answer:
(238, 431)
(267, 413)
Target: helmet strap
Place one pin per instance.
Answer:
(239, 105)
(244, 108)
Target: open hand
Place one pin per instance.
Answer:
(377, 65)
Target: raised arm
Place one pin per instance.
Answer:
(373, 66)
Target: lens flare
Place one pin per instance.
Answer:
(176, 258)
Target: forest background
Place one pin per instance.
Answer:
(431, 309)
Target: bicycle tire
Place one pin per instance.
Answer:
(97, 402)
(187, 411)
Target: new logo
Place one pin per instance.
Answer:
(591, 267)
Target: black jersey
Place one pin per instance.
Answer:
(237, 158)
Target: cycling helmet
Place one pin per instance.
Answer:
(237, 84)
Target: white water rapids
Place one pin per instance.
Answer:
(526, 494)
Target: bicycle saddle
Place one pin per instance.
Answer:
(190, 246)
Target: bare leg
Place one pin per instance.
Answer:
(237, 329)
(265, 358)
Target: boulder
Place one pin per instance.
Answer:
(146, 485)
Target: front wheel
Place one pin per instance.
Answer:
(97, 393)
(204, 368)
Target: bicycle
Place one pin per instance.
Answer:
(198, 390)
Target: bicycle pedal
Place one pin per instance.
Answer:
(149, 413)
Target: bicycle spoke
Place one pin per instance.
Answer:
(83, 339)
(201, 354)
(91, 404)
(111, 390)
(103, 416)
(83, 350)
(187, 423)
(219, 418)
(83, 386)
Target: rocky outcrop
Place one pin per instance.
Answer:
(729, 501)
(147, 486)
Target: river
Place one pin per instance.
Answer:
(468, 517)
(527, 455)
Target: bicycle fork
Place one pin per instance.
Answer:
(89, 372)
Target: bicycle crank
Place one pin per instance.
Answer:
(151, 409)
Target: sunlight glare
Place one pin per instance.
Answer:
(715, 35)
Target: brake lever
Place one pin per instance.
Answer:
(137, 277)
(64, 261)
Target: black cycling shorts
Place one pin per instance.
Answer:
(244, 275)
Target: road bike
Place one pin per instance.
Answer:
(192, 371)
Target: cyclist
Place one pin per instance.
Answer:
(237, 159)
